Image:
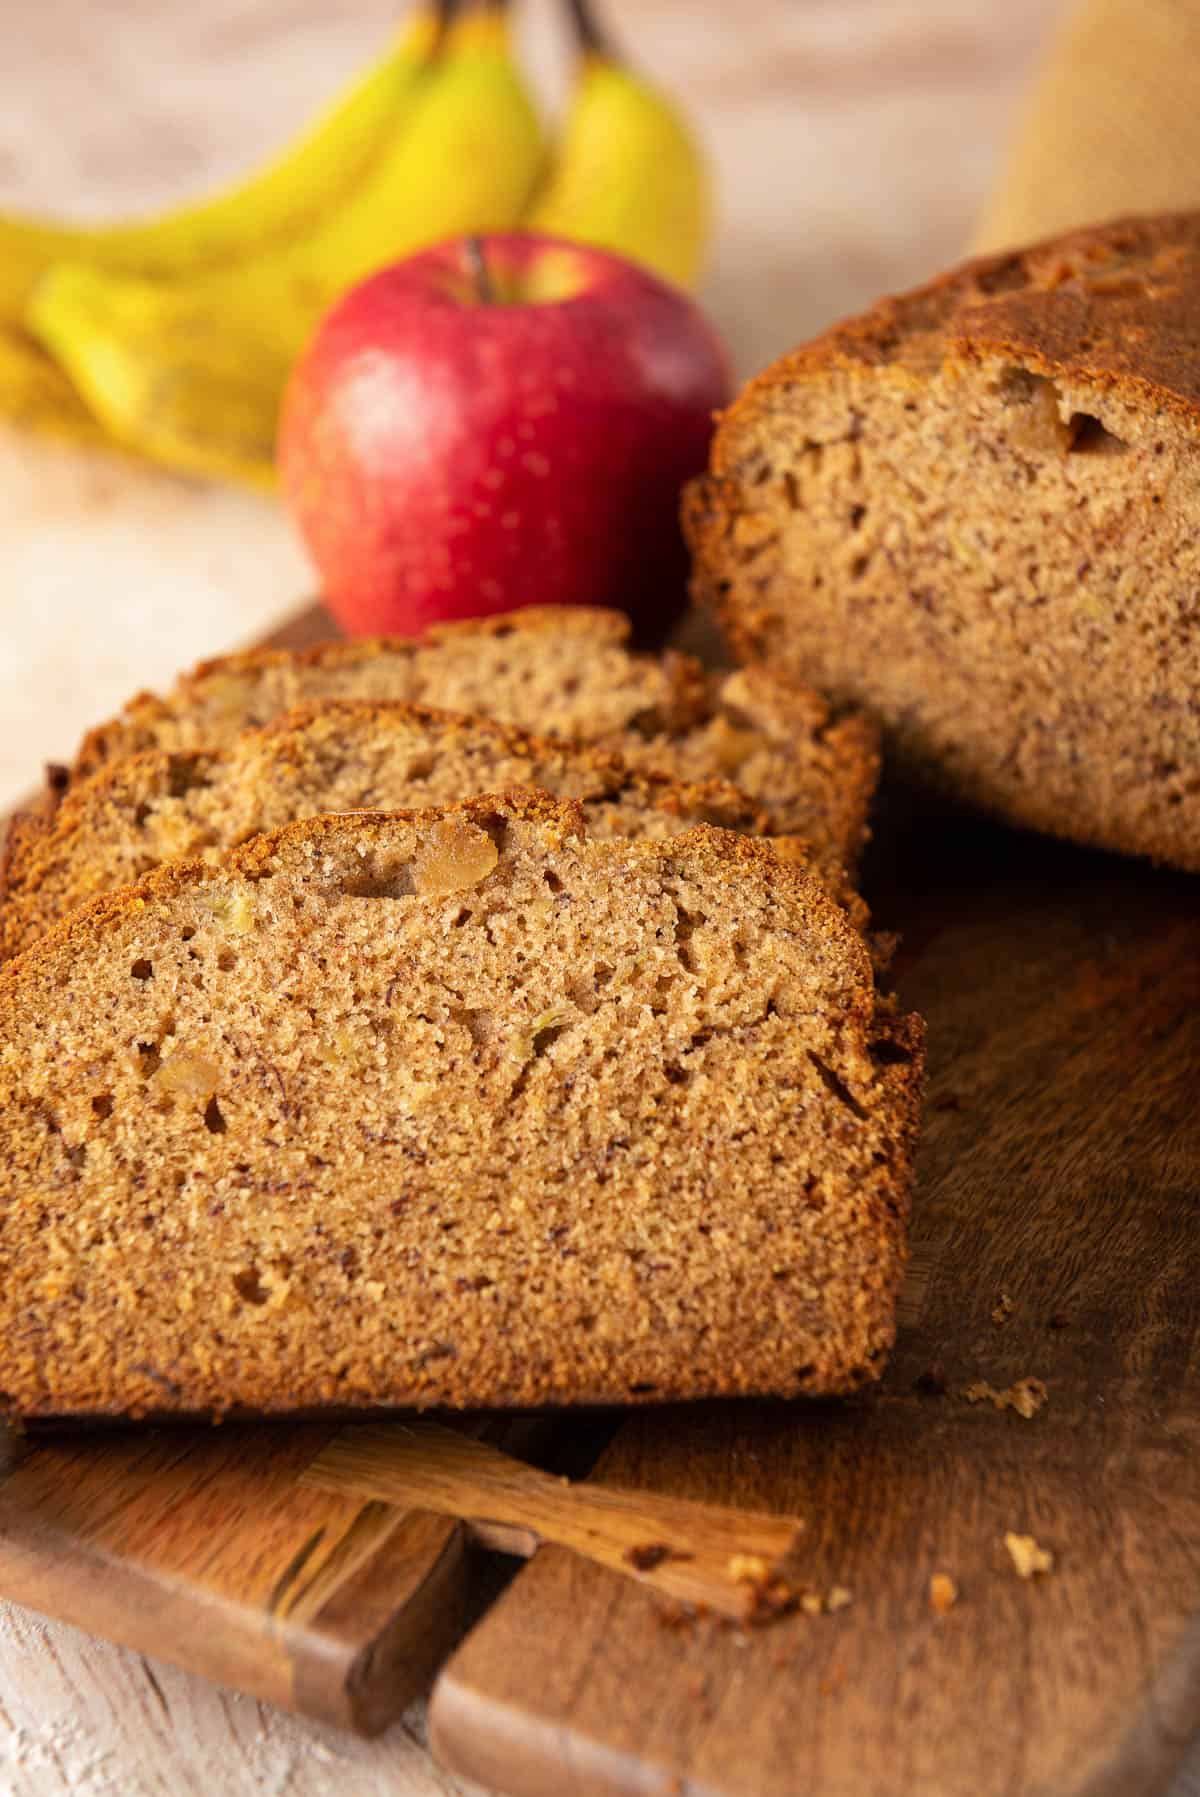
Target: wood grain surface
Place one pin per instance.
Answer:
(200, 1546)
(325, 1568)
(1055, 1237)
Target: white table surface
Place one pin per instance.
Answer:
(853, 140)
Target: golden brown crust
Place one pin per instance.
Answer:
(1112, 304)
(21, 834)
(212, 1201)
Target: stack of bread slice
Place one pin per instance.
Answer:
(479, 1020)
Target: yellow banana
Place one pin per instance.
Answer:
(36, 395)
(629, 175)
(191, 373)
(290, 192)
(203, 403)
(281, 199)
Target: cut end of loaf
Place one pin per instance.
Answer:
(455, 1108)
(973, 513)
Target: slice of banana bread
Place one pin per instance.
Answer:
(975, 510)
(460, 1107)
(560, 671)
(344, 755)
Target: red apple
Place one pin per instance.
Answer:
(499, 422)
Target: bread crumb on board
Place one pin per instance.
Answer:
(1026, 1396)
(772, 1595)
(838, 1597)
(1028, 1558)
(943, 1593)
(775, 1597)
(1002, 1309)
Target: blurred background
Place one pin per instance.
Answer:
(853, 144)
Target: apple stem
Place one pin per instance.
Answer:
(480, 273)
(589, 34)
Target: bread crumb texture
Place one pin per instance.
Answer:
(460, 1107)
(973, 511)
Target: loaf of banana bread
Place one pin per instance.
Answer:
(461, 1107)
(975, 511)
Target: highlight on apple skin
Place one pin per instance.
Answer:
(497, 422)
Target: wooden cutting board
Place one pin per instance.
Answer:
(1060, 1172)
(201, 1547)
(325, 1567)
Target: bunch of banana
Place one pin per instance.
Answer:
(174, 338)
(190, 371)
(275, 203)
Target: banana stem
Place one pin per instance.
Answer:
(444, 14)
(481, 274)
(590, 35)
(448, 13)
